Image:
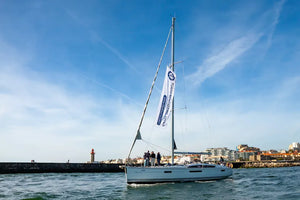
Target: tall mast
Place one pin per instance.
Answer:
(172, 64)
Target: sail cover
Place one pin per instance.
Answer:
(166, 99)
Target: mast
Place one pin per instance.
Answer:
(172, 64)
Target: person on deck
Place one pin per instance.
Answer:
(221, 160)
(158, 157)
(147, 158)
(152, 156)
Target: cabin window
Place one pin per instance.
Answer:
(209, 166)
(222, 170)
(167, 171)
(195, 171)
(195, 166)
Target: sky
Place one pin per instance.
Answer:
(75, 75)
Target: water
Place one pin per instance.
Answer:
(272, 183)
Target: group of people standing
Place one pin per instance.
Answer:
(150, 159)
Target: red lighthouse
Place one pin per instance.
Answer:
(92, 156)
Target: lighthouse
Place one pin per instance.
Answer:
(92, 156)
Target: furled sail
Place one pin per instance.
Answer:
(166, 99)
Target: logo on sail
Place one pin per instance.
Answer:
(171, 76)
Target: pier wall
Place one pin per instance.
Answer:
(26, 167)
(23, 167)
(266, 164)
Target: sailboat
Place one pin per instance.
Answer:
(171, 172)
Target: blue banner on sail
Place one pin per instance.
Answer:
(166, 99)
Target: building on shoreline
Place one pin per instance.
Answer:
(295, 146)
(217, 153)
(246, 148)
(242, 153)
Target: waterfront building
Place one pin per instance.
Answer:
(246, 148)
(272, 151)
(216, 153)
(245, 155)
(241, 146)
(260, 157)
(254, 158)
(282, 151)
(295, 146)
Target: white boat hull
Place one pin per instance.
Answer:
(175, 173)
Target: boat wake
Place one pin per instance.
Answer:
(133, 185)
(205, 181)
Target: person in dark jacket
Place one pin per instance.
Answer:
(147, 158)
(152, 156)
(158, 157)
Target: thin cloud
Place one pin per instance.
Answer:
(238, 46)
(277, 11)
(217, 62)
(112, 89)
(45, 116)
(100, 39)
(224, 130)
(113, 50)
(288, 88)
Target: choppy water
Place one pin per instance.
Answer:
(276, 183)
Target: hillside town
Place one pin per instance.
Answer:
(243, 152)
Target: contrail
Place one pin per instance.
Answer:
(238, 46)
(218, 62)
(112, 89)
(113, 50)
(278, 9)
(99, 39)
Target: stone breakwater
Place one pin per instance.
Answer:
(26, 167)
(270, 164)
(23, 167)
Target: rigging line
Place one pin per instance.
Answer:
(170, 65)
(153, 126)
(150, 92)
(184, 87)
(185, 104)
(153, 148)
(147, 142)
(181, 108)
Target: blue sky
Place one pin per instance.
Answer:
(75, 75)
